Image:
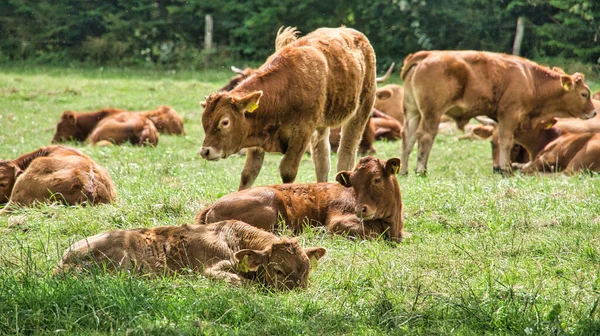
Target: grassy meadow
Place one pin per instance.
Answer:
(488, 255)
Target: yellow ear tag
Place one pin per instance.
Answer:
(314, 263)
(549, 125)
(566, 86)
(243, 265)
(397, 169)
(252, 107)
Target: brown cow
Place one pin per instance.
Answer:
(389, 100)
(366, 203)
(77, 126)
(125, 127)
(322, 80)
(230, 250)
(596, 95)
(464, 84)
(535, 139)
(55, 173)
(166, 120)
(385, 126)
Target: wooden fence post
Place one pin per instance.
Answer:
(519, 36)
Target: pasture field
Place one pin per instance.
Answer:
(488, 255)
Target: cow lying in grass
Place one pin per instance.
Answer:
(54, 173)
(366, 203)
(125, 127)
(131, 126)
(229, 250)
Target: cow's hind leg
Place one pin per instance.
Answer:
(288, 168)
(353, 129)
(409, 137)
(320, 150)
(254, 161)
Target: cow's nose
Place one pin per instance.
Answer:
(205, 152)
(594, 113)
(363, 210)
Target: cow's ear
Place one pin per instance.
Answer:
(314, 254)
(567, 82)
(249, 260)
(69, 116)
(203, 103)
(393, 165)
(249, 102)
(383, 94)
(18, 171)
(343, 178)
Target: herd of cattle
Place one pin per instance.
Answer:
(318, 92)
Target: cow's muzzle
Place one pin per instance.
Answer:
(364, 212)
(211, 154)
(591, 114)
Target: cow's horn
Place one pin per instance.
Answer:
(387, 74)
(236, 70)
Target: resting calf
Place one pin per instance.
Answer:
(366, 203)
(55, 173)
(125, 127)
(230, 250)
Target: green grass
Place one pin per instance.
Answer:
(488, 255)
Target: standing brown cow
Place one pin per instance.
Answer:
(322, 80)
(464, 84)
(366, 203)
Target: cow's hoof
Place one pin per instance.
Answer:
(497, 170)
(421, 173)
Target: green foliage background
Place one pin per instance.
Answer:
(171, 32)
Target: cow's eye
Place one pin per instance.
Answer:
(377, 180)
(224, 122)
(585, 95)
(279, 272)
(3, 185)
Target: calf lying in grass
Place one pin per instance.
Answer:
(55, 173)
(124, 127)
(229, 250)
(366, 203)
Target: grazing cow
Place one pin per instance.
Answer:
(77, 126)
(464, 84)
(322, 80)
(366, 203)
(55, 173)
(125, 127)
(166, 120)
(229, 250)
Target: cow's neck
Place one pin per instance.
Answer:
(263, 124)
(88, 120)
(25, 160)
(547, 84)
(239, 237)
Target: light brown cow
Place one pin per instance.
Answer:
(322, 80)
(77, 126)
(389, 100)
(166, 120)
(385, 126)
(229, 250)
(596, 95)
(464, 84)
(125, 127)
(535, 138)
(55, 173)
(366, 203)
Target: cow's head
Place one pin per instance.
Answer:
(237, 79)
(389, 100)
(225, 124)
(8, 175)
(574, 100)
(67, 128)
(284, 265)
(375, 185)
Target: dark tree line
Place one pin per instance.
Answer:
(171, 32)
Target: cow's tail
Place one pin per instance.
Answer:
(285, 36)
(411, 61)
(200, 217)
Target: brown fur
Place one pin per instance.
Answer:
(78, 125)
(464, 84)
(596, 95)
(166, 120)
(125, 127)
(55, 173)
(366, 203)
(230, 250)
(322, 80)
(385, 126)
(367, 140)
(390, 100)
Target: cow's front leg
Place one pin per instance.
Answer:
(254, 160)
(505, 142)
(425, 136)
(288, 168)
(224, 270)
(351, 225)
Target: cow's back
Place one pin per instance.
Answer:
(340, 61)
